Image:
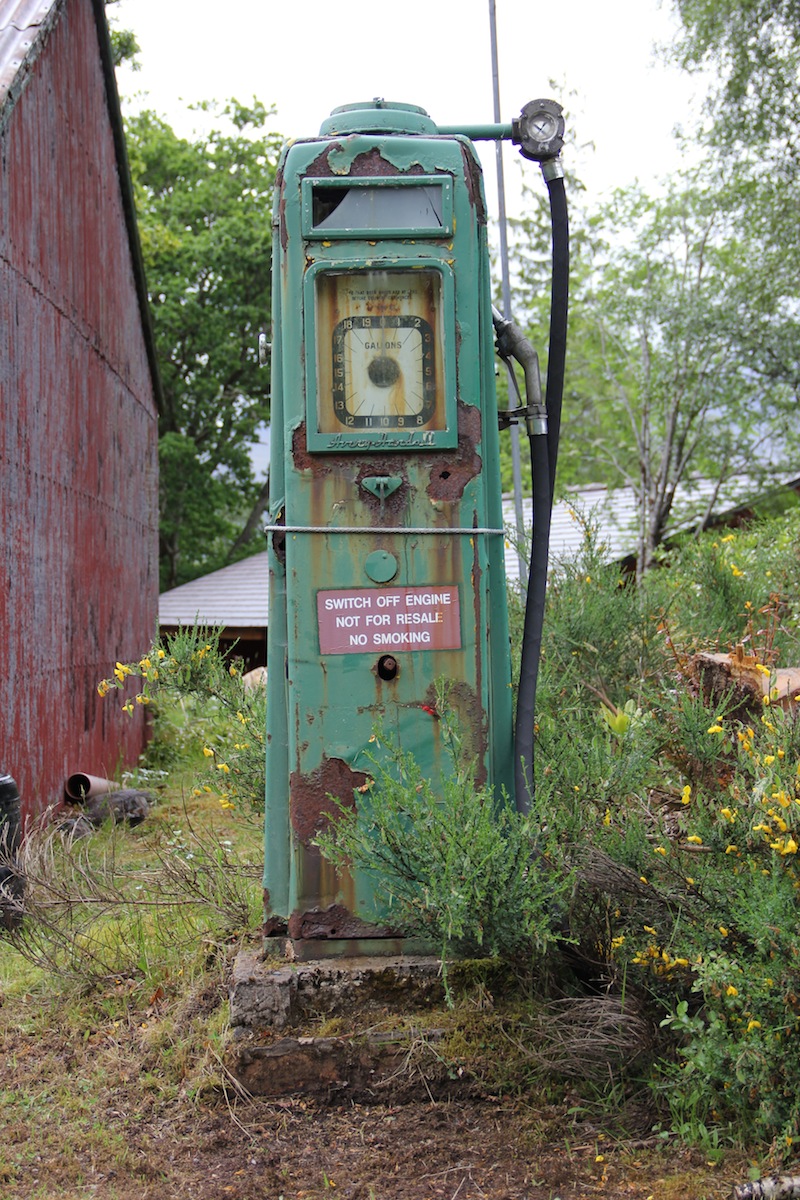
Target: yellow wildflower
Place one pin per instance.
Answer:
(607, 817)
(103, 687)
(659, 850)
(649, 929)
(769, 759)
(224, 767)
(751, 1025)
(727, 814)
(715, 729)
(723, 931)
(162, 654)
(232, 671)
(737, 574)
(686, 794)
(731, 849)
(730, 990)
(145, 663)
(764, 670)
(695, 840)
(209, 753)
(729, 537)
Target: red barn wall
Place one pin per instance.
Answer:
(78, 434)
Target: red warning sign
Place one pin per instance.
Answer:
(363, 620)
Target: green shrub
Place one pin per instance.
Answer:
(458, 866)
(202, 710)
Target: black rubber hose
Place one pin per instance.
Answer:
(534, 623)
(544, 457)
(559, 306)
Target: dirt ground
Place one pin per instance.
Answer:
(82, 1122)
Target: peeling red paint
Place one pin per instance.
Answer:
(78, 431)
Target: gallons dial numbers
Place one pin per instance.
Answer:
(383, 372)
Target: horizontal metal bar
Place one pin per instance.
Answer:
(421, 529)
(478, 133)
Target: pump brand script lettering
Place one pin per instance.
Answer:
(360, 620)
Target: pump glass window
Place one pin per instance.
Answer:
(380, 359)
(365, 208)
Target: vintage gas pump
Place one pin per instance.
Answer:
(386, 540)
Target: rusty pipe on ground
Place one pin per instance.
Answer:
(80, 786)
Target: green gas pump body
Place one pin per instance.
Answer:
(385, 535)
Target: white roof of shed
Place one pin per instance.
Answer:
(236, 596)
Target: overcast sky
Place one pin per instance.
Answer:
(309, 56)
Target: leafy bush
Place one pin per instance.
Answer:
(458, 867)
(200, 704)
(689, 810)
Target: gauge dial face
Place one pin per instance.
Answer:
(379, 354)
(544, 125)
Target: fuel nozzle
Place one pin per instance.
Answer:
(511, 342)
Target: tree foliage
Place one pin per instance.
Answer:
(752, 49)
(682, 348)
(124, 46)
(204, 209)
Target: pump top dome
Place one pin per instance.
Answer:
(377, 116)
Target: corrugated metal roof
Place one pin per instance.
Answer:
(238, 596)
(613, 511)
(22, 22)
(235, 597)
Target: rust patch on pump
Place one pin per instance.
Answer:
(320, 465)
(472, 177)
(368, 164)
(335, 921)
(320, 167)
(312, 798)
(450, 473)
(466, 704)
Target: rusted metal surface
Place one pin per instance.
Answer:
(472, 175)
(451, 473)
(313, 797)
(78, 426)
(335, 921)
(369, 162)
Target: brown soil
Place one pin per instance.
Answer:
(92, 1119)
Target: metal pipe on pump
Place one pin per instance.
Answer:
(386, 535)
